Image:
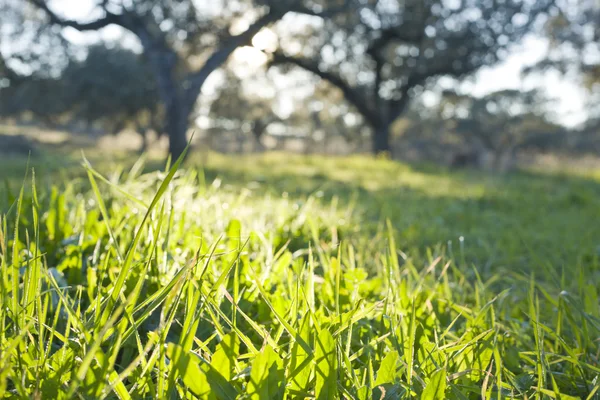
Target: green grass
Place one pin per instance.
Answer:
(294, 277)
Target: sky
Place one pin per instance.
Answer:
(570, 98)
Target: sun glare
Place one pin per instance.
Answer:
(265, 40)
(250, 57)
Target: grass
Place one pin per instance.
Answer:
(294, 277)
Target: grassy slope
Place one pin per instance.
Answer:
(442, 321)
(523, 221)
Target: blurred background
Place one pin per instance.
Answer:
(486, 84)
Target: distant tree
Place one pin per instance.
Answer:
(45, 98)
(184, 42)
(574, 35)
(250, 109)
(327, 116)
(380, 53)
(236, 110)
(32, 56)
(114, 87)
(111, 87)
(7, 74)
(499, 124)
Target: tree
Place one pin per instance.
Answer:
(113, 87)
(574, 35)
(234, 109)
(28, 71)
(46, 98)
(250, 109)
(184, 42)
(499, 124)
(381, 53)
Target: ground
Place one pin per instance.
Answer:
(524, 221)
(383, 276)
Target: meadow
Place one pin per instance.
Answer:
(284, 276)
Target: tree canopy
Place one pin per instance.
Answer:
(380, 53)
(185, 41)
(111, 87)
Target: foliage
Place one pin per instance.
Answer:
(166, 285)
(237, 111)
(115, 87)
(47, 98)
(574, 35)
(184, 41)
(28, 45)
(248, 109)
(497, 125)
(111, 87)
(379, 54)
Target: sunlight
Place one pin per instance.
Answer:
(253, 57)
(265, 40)
(250, 58)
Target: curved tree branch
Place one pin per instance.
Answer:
(194, 81)
(299, 8)
(108, 18)
(350, 93)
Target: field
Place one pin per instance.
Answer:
(279, 276)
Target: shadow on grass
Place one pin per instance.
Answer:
(522, 221)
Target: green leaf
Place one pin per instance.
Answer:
(225, 356)
(387, 369)
(554, 395)
(300, 366)
(104, 212)
(267, 379)
(119, 388)
(280, 318)
(198, 376)
(483, 356)
(436, 388)
(233, 232)
(128, 262)
(409, 345)
(326, 369)
(430, 358)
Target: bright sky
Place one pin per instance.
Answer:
(570, 97)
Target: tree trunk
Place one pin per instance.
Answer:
(180, 95)
(143, 132)
(176, 127)
(177, 105)
(381, 140)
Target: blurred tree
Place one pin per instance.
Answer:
(184, 42)
(380, 53)
(41, 96)
(250, 108)
(114, 87)
(245, 113)
(28, 70)
(111, 87)
(28, 46)
(489, 132)
(6, 72)
(574, 34)
(331, 117)
(495, 126)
